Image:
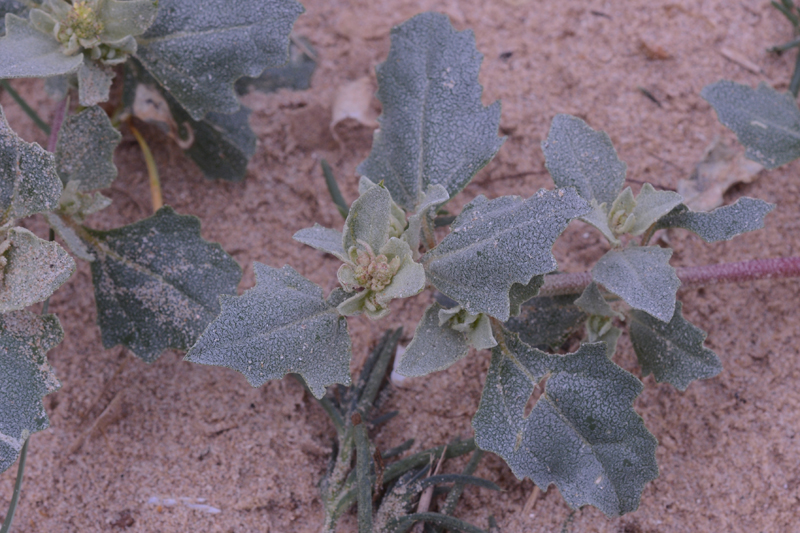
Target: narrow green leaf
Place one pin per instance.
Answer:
(157, 282)
(32, 114)
(28, 53)
(281, 325)
(94, 83)
(582, 434)
(497, 243)
(31, 269)
(434, 347)
(198, 54)
(642, 276)
(451, 523)
(721, 224)
(363, 477)
(28, 180)
(578, 156)
(434, 128)
(27, 377)
(333, 189)
(673, 352)
(765, 121)
(546, 322)
(294, 75)
(85, 149)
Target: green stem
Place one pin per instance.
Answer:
(46, 305)
(786, 46)
(794, 85)
(363, 460)
(34, 116)
(17, 489)
(648, 234)
(696, 276)
(333, 189)
(152, 169)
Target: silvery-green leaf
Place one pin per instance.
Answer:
(578, 156)
(519, 293)
(28, 53)
(31, 269)
(480, 336)
(220, 144)
(642, 276)
(409, 280)
(197, 54)
(721, 224)
(26, 376)
(673, 352)
(765, 121)
(434, 347)
(435, 196)
(434, 128)
(223, 144)
(16, 7)
(593, 302)
(497, 243)
(85, 149)
(598, 217)
(157, 282)
(70, 237)
(94, 83)
(546, 322)
(294, 75)
(368, 220)
(127, 17)
(324, 239)
(582, 434)
(282, 325)
(651, 205)
(28, 180)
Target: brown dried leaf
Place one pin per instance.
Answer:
(721, 167)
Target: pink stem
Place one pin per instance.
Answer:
(55, 124)
(782, 267)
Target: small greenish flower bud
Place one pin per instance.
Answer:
(620, 217)
(597, 326)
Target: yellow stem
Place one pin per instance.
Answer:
(152, 169)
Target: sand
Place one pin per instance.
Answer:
(123, 432)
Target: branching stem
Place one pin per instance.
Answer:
(782, 267)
